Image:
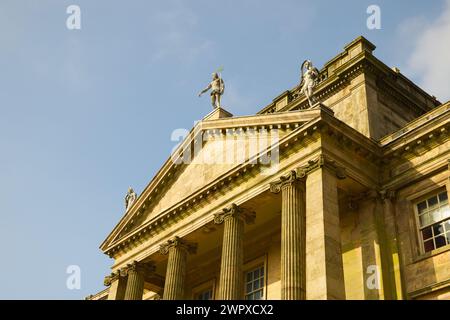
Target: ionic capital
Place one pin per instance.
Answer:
(145, 269)
(180, 243)
(111, 278)
(322, 161)
(284, 181)
(235, 211)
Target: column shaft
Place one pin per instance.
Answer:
(175, 274)
(135, 285)
(232, 259)
(293, 241)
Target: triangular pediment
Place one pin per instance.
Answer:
(212, 149)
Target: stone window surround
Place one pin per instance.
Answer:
(435, 193)
(418, 252)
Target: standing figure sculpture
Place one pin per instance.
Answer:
(217, 87)
(130, 198)
(308, 80)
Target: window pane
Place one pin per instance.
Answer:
(425, 219)
(257, 295)
(440, 241)
(249, 276)
(421, 207)
(448, 237)
(261, 283)
(447, 225)
(445, 212)
(443, 197)
(432, 203)
(428, 245)
(435, 215)
(256, 274)
(427, 233)
(438, 229)
(249, 287)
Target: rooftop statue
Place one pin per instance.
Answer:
(130, 198)
(217, 87)
(308, 81)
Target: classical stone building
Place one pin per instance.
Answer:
(344, 200)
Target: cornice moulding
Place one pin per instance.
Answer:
(291, 120)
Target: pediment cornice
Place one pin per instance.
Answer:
(285, 121)
(323, 123)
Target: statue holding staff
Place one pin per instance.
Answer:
(217, 87)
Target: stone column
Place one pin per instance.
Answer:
(292, 235)
(178, 250)
(117, 285)
(234, 218)
(135, 283)
(324, 269)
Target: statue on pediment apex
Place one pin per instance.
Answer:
(217, 87)
(130, 198)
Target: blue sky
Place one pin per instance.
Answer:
(86, 113)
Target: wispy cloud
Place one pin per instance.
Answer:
(429, 58)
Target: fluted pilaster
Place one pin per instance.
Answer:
(293, 278)
(234, 219)
(177, 249)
